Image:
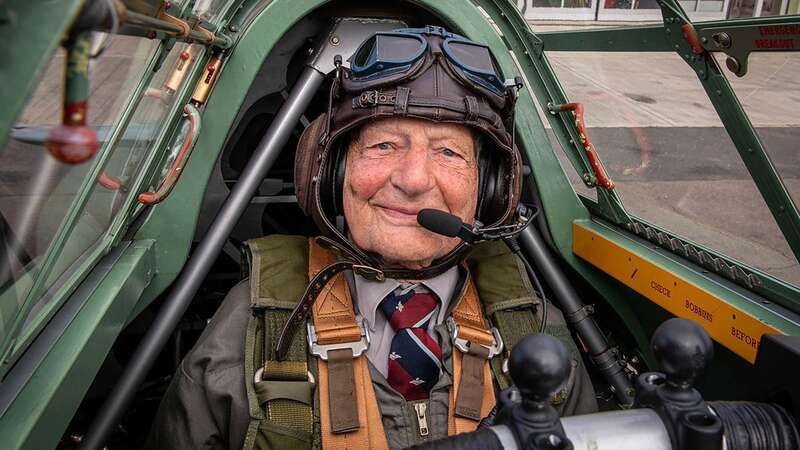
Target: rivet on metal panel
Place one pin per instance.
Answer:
(732, 64)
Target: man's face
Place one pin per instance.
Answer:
(395, 168)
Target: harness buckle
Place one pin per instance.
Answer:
(321, 350)
(259, 375)
(463, 344)
(366, 99)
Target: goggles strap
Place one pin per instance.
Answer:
(472, 111)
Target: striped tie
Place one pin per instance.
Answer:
(414, 357)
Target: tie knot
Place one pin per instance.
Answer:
(412, 307)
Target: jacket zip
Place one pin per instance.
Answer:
(422, 417)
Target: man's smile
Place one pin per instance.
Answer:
(403, 213)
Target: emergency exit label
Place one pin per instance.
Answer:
(777, 37)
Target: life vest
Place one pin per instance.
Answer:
(322, 397)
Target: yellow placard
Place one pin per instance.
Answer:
(732, 327)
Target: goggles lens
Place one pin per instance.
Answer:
(477, 62)
(387, 51)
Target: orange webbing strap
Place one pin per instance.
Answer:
(472, 394)
(347, 396)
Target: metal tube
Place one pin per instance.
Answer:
(196, 269)
(152, 23)
(575, 312)
(634, 429)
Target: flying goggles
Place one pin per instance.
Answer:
(388, 57)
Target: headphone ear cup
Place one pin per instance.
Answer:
(339, 164)
(487, 185)
(332, 181)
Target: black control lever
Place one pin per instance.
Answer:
(539, 364)
(683, 350)
(671, 414)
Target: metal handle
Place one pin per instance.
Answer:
(580, 124)
(74, 142)
(175, 171)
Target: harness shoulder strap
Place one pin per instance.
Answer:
(514, 308)
(472, 395)
(349, 413)
(506, 295)
(280, 393)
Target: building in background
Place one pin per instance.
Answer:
(647, 10)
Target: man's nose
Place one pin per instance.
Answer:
(413, 174)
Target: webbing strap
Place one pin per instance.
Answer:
(370, 434)
(292, 411)
(299, 391)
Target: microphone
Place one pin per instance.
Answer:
(446, 224)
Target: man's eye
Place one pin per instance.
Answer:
(384, 146)
(450, 153)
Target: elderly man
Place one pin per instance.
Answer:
(405, 339)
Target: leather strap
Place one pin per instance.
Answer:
(472, 395)
(319, 280)
(470, 392)
(468, 315)
(370, 99)
(341, 391)
(349, 413)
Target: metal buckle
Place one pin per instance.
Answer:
(368, 272)
(260, 373)
(366, 99)
(463, 344)
(322, 350)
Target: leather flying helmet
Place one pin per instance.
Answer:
(426, 73)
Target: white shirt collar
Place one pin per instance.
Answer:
(369, 294)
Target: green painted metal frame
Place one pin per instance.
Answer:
(725, 102)
(745, 37)
(14, 341)
(649, 38)
(738, 126)
(17, 339)
(166, 230)
(628, 39)
(44, 408)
